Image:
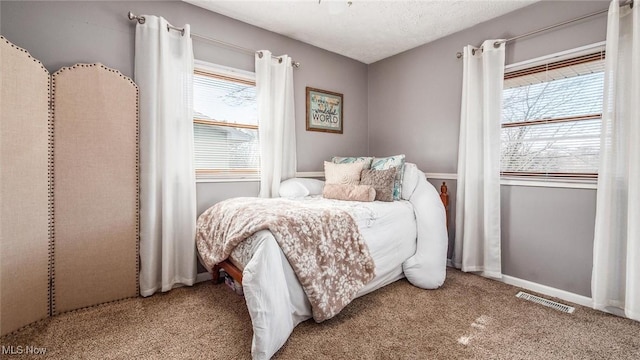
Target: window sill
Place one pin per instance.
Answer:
(552, 183)
(225, 180)
(532, 182)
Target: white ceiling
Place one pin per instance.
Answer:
(367, 30)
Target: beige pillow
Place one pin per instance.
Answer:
(381, 180)
(348, 174)
(349, 192)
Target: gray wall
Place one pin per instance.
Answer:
(409, 103)
(61, 33)
(414, 108)
(547, 236)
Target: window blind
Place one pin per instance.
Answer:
(225, 126)
(551, 118)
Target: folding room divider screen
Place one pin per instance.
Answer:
(68, 188)
(24, 212)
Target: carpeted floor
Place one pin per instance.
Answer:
(468, 318)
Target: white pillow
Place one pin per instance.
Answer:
(300, 187)
(410, 180)
(348, 174)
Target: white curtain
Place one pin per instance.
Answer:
(276, 121)
(616, 254)
(164, 74)
(477, 242)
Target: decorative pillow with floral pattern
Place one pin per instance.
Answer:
(349, 160)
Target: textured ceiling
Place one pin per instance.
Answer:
(367, 30)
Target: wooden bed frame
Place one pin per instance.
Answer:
(236, 274)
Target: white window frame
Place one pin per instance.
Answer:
(578, 183)
(231, 72)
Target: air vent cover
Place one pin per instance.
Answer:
(545, 302)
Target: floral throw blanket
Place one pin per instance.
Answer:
(323, 245)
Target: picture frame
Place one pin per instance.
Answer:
(324, 111)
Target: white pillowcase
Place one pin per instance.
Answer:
(300, 187)
(348, 174)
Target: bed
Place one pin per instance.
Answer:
(405, 238)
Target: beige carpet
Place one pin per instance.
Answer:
(468, 318)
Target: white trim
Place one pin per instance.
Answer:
(310, 174)
(568, 184)
(202, 277)
(319, 174)
(541, 289)
(300, 174)
(445, 176)
(507, 181)
(224, 70)
(564, 183)
(548, 290)
(562, 55)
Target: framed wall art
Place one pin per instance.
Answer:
(324, 111)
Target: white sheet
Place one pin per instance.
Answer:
(275, 299)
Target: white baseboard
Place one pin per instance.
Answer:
(548, 290)
(525, 284)
(201, 277)
(542, 289)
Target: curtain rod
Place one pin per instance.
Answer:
(498, 43)
(141, 20)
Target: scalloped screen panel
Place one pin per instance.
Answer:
(95, 187)
(24, 241)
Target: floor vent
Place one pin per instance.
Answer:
(545, 302)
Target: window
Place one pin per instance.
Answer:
(225, 123)
(551, 117)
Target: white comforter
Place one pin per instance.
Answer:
(275, 299)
